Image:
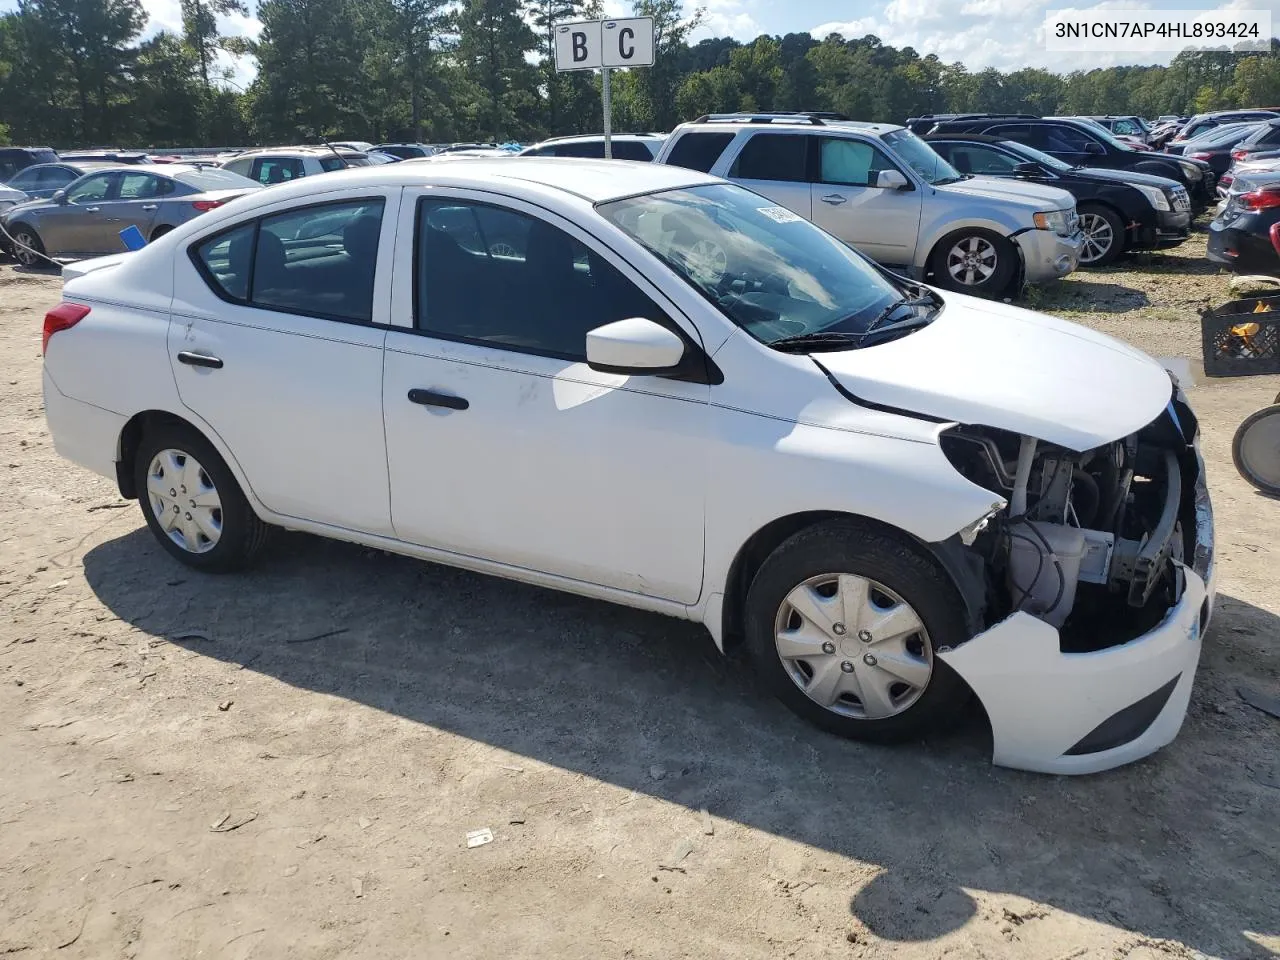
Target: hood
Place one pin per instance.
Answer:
(25, 205)
(999, 366)
(1175, 159)
(1030, 195)
(11, 195)
(1126, 176)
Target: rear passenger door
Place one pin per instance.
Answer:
(276, 346)
(882, 223)
(777, 166)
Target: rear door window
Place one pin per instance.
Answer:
(698, 151)
(269, 170)
(773, 156)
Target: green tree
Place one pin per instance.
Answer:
(566, 93)
(648, 95)
(200, 27)
(493, 43)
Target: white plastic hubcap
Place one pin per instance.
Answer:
(853, 646)
(184, 501)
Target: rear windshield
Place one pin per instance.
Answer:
(214, 178)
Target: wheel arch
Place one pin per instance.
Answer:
(996, 231)
(949, 556)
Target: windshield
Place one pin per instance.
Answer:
(1031, 153)
(1102, 133)
(921, 157)
(770, 271)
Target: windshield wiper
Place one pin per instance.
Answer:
(910, 323)
(891, 309)
(818, 340)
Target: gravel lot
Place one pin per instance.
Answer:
(287, 764)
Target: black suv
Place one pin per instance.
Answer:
(1120, 210)
(1081, 144)
(13, 159)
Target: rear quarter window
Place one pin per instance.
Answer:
(698, 151)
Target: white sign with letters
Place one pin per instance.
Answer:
(592, 44)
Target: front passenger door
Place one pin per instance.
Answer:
(72, 227)
(502, 443)
(882, 223)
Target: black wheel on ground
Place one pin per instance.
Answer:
(976, 262)
(1103, 235)
(192, 502)
(1256, 449)
(28, 249)
(843, 623)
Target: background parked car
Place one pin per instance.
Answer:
(1217, 147)
(45, 179)
(281, 164)
(85, 220)
(13, 159)
(128, 157)
(1119, 210)
(1211, 135)
(643, 147)
(1125, 126)
(1264, 139)
(360, 146)
(1081, 144)
(884, 192)
(406, 151)
(1202, 122)
(9, 196)
(1245, 236)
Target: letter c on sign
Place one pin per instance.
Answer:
(625, 50)
(579, 47)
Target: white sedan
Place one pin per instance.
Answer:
(647, 385)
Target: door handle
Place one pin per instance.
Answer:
(429, 398)
(835, 199)
(91, 210)
(199, 360)
(148, 206)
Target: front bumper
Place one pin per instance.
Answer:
(1074, 713)
(1048, 256)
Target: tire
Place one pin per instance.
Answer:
(220, 540)
(1104, 237)
(990, 260)
(862, 697)
(25, 237)
(1255, 449)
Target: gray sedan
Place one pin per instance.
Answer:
(86, 219)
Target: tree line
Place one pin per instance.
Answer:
(79, 73)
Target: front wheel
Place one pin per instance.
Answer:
(844, 623)
(1103, 236)
(1256, 449)
(27, 248)
(192, 503)
(974, 262)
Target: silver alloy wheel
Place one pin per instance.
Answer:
(853, 646)
(1098, 237)
(972, 260)
(1259, 449)
(184, 501)
(24, 249)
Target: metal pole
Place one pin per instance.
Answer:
(608, 113)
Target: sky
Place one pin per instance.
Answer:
(1007, 34)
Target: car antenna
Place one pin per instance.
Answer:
(321, 138)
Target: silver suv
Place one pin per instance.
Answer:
(884, 191)
(272, 165)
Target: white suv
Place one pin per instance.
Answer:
(281, 164)
(884, 191)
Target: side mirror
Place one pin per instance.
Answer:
(1028, 169)
(1095, 148)
(59, 196)
(634, 347)
(891, 180)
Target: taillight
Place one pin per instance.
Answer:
(206, 205)
(62, 317)
(1200, 155)
(1263, 199)
(1239, 154)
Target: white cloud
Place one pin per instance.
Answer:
(163, 15)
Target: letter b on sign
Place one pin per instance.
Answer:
(578, 45)
(579, 40)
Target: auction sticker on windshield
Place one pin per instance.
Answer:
(780, 214)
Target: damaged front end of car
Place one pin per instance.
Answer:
(1089, 585)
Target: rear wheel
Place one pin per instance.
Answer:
(1103, 236)
(844, 622)
(27, 248)
(1256, 449)
(192, 503)
(974, 262)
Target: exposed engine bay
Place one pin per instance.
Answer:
(1090, 542)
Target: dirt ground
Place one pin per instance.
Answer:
(287, 763)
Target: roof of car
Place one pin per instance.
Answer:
(592, 180)
(302, 151)
(790, 121)
(593, 137)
